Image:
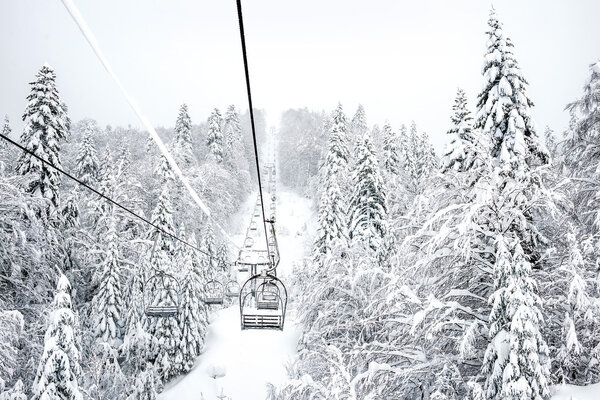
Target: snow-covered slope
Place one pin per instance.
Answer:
(239, 363)
(572, 392)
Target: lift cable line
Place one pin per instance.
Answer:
(91, 39)
(102, 195)
(245, 56)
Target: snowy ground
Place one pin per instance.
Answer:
(572, 392)
(248, 360)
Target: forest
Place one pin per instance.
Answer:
(466, 274)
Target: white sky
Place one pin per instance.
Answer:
(402, 59)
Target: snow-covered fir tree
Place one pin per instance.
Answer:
(390, 159)
(58, 371)
(232, 128)
(17, 392)
(516, 360)
(214, 137)
(332, 220)
(182, 146)
(358, 128)
(45, 128)
(88, 166)
(6, 131)
(367, 210)
(108, 304)
(503, 106)
(193, 317)
(459, 153)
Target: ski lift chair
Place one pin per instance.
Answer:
(253, 226)
(273, 197)
(253, 294)
(267, 296)
(214, 292)
(232, 289)
(160, 282)
(249, 242)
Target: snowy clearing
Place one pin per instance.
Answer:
(245, 361)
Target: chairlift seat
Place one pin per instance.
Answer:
(162, 311)
(258, 321)
(213, 300)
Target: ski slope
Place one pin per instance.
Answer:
(236, 363)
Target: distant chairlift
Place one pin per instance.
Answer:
(253, 226)
(249, 242)
(214, 292)
(232, 289)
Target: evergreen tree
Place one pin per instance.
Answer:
(146, 385)
(214, 139)
(233, 129)
(458, 155)
(430, 162)
(6, 131)
(45, 128)
(503, 106)
(58, 370)
(108, 304)
(516, 360)
(207, 243)
(162, 216)
(16, 393)
(222, 255)
(87, 164)
(391, 156)
(194, 316)
(169, 359)
(332, 223)
(183, 138)
(367, 209)
(551, 144)
(358, 128)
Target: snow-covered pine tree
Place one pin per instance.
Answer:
(182, 145)
(162, 216)
(214, 137)
(87, 164)
(430, 162)
(391, 154)
(16, 393)
(516, 361)
(550, 138)
(332, 220)
(146, 385)
(222, 255)
(6, 131)
(367, 210)
(208, 244)
(167, 331)
(108, 303)
(503, 106)
(458, 155)
(582, 155)
(59, 369)
(164, 292)
(193, 317)
(45, 128)
(233, 129)
(358, 128)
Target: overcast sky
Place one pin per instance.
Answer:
(403, 60)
